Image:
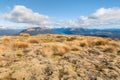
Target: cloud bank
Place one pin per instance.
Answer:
(103, 17)
(21, 14)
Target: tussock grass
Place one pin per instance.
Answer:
(75, 48)
(71, 38)
(49, 49)
(20, 45)
(114, 43)
(46, 49)
(6, 39)
(100, 41)
(108, 48)
(61, 48)
(25, 34)
(83, 43)
(33, 40)
(20, 59)
(2, 48)
(61, 36)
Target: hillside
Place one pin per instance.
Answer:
(9, 31)
(108, 33)
(59, 57)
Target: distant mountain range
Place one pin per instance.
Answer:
(9, 31)
(109, 33)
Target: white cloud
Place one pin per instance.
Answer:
(21, 14)
(108, 14)
(15, 26)
(101, 18)
(2, 26)
(106, 17)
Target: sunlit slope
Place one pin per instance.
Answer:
(59, 57)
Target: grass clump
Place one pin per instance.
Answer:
(32, 40)
(100, 41)
(61, 48)
(71, 38)
(49, 49)
(75, 48)
(83, 43)
(6, 39)
(2, 48)
(24, 34)
(20, 45)
(107, 48)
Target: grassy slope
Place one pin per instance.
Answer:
(59, 57)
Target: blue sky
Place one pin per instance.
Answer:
(63, 12)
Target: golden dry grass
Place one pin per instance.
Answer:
(6, 39)
(56, 48)
(20, 45)
(109, 48)
(114, 43)
(72, 38)
(57, 57)
(57, 44)
(33, 40)
(84, 43)
(2, 48)
(61, 48)
(75, 48)
(46, 49)
(24, 34)
(100, 41)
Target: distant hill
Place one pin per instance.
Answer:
(9, 31)
(38, 30)
(110, 33)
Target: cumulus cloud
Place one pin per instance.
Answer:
(107, 14)
(103, 17)
(21, 14)
(109, 17)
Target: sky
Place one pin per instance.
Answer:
(60, 13)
